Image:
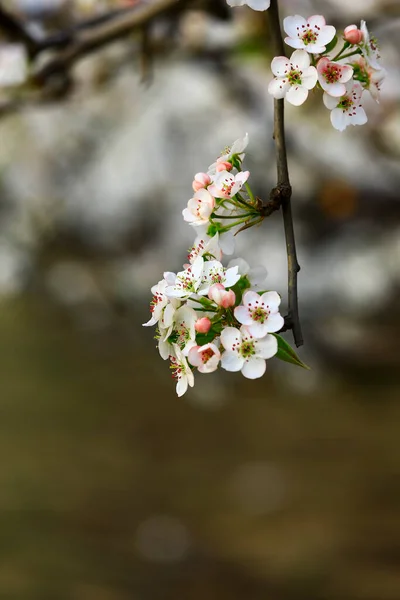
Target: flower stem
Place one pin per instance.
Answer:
(358, 51)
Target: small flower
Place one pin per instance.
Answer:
(222, 297)
(208, 248)
(346, 110)
(181, 371)
(237, 149)
(245, 353)
(162, 308)
(254, 4)
(200, 181)
(13, 64)
(310, 34)
(332, 76)
(199, 208)
(260, 314)
(255, 276)
(214, 272)
(369, 47)
(226, 185)
(294, 77)
(353, 35)
(203, 325)
(206, 358)
(188, 281)
(184, 328)
(369, 77)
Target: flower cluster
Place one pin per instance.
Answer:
(209, 315)
(343, 74)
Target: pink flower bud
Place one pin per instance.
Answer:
(203, 325)
(201, 180)
(223, 166)
(353, 35)
(221, 296)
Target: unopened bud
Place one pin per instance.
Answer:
(201, 180)
(353, 35)
(221, 296)
(203, 325)
(223, 166)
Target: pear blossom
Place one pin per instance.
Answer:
(226, 239)
(346, 110)
(222, 297)
(369, 47)
(188, 281)
(162, 307)
(371, 78)
(255, 276)
(237, 149)
(181, 371)
(203, 325)
(13, 64)
(205, 247)
(353, 35)
(254, 4)
(184, 328)
(243, 352)
(260, 314)
(199, 208)
(201, 180)
(206, 358)
(293, 77)
(310, 34)
(332, 76)
(214, 272)
(226, 185)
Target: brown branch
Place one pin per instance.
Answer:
(87, 42)
(282, 193)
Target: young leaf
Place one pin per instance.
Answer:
(286, 353)
(331, 45)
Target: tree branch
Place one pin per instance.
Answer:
(87, 42)
(282, 193)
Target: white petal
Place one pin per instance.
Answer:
(258, 330)
(297, 95)
(267, 347)
(227, 243)
(242, 315)
(251, 298)
(316, 21)
(280, 66)
(295, 43)
(278, 89)
(231, 277)
(309, 78)
(360, 118)
(275, 322)
(333, 89)
(329, 101)
(241, 264)
(346, 74)
(339, 119)
(236, 2)
(254, 368)
(231, 361)
(181, 386)
(258, 4)
(292, 25)
(300, 59)
(272, 300)
(230, 337)
(326, 35)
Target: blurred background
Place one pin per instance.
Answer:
(112, 488)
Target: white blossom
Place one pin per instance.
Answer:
(293, 77)
(346, 110)
(245, 353)
(310, 34)
(260, 314)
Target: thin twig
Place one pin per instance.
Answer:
(283, 192)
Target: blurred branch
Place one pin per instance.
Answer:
(282, 193)
(86, 42)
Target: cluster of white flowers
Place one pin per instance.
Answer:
(342, 74)
(209, 315)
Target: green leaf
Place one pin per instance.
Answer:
(331, 45)
(287, 354)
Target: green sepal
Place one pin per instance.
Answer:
(332, 44)
(287, 354)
